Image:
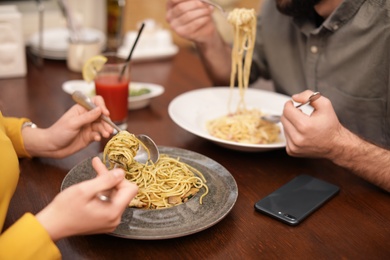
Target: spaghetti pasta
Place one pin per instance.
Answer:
(244, 125)
(244, 26)
(121, 149)
(163, 184)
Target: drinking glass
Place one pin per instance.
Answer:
(112, 83)
(79, 52)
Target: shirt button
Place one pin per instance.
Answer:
(314, 49)
(335, 27)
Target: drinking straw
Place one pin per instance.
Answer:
(131, 51)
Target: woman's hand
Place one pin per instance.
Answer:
(73, 131)
(77, 210)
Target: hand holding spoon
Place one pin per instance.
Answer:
(142, 154)
(276, 118)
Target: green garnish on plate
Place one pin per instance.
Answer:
(138, 92)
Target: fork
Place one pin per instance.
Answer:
(105, 195)
(224, 13)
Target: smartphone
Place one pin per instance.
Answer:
(297, 199)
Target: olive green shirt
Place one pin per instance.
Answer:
(346, 58)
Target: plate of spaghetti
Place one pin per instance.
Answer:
(214, 200)
(205, 110)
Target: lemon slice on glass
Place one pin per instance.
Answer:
(92, 66)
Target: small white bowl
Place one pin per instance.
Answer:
(137, 102)
(134, 102)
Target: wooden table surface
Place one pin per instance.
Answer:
(353, 225)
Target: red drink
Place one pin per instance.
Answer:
(115, 94)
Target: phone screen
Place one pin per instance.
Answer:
(295, 200)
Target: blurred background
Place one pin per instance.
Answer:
(101, 14)
(55, 29)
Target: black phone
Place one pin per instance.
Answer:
(297, 199)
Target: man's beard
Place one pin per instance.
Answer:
(296, 8)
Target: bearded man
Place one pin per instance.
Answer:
(340, 48)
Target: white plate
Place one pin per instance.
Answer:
(55, 41)
(193, 109)
(135, 102)
(148, 54)
(51, 55)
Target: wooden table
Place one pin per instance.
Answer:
(353, 225)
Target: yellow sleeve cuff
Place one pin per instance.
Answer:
(27, 239)
(14, 132)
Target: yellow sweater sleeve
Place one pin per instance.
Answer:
(13, 129)
(27, 239)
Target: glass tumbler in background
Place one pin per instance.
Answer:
(79, 52)
(114, 87)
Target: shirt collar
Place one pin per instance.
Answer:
(342, 14)
(338, 18)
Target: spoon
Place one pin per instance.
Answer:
(276, 118)
(217, 6)
(142, 154)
